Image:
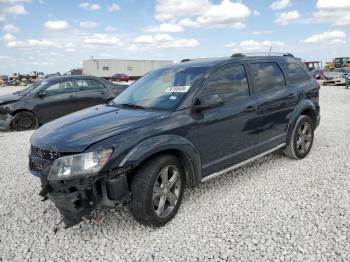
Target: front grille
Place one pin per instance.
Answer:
(45, 154)
(40, 162)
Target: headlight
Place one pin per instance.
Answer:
(81, 165)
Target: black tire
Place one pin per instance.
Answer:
(301, 142)
(24, 120)
(145, 187)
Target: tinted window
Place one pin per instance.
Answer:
(268, 77)
(88, 84)
(60, 88)
(295, 73)
(231, 82)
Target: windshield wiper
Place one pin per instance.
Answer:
(131, 105)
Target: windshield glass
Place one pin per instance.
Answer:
(162, 89)
(32, 88)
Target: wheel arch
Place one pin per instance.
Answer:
(306, 108)
(15, 112)
(168, 144)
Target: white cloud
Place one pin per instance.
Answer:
(102, 39)
(88, 24)
(285, 18)
(9, 37)
(256, 12)
(336, 12)
(110, 29)
(231, 45)
(261, 32)
(254, 46)
(113, 8)
(332, 37)
(10, 28)
(90, 6)
(171, 9)
(161, 41)
(56, 24)
(280, 4)
(226, 13)
(202, 13)
(15, 10)
(165, 28)
(32, 43)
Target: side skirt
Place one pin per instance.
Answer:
(216, 174)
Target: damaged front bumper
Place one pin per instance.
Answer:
(76, 199)
(5, 122)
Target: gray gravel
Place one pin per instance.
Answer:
(274, 209)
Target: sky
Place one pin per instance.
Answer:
(56, 36)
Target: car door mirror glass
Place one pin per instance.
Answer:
(209, 101)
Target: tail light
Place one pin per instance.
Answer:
(318, 86)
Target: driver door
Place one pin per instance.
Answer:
(225, 132)
(56, 100)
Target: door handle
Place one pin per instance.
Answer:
(102, 92)
(249, 109)
(292, 95)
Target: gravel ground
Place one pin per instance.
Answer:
(273, 209)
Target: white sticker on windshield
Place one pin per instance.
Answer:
(173, 97)
(177, 89)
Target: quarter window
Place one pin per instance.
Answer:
(295, 73)
(268, 77)
(231, 82)
(60, 88)
(88, 84)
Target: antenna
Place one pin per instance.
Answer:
(270, 50)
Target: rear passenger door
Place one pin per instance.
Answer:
(91, 92)
(226, 132)
(276, 102)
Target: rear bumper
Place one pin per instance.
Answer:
(5, 122)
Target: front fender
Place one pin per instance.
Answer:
(158, 144)
(302, 106)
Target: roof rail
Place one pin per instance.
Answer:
(262, 54)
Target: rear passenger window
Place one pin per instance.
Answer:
(295, 73)
(268, 77)
(88, 84)
(231, 82)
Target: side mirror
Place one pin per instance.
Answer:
(42, 94)
(209, 101)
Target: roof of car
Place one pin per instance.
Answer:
(210, 62)
(54, 78)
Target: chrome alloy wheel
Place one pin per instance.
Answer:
(166, 191)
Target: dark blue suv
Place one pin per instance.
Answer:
(176, 126)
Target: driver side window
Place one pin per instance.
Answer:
(60, 88)
(230, 82)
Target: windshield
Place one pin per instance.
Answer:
(162, 89)
(31, 88)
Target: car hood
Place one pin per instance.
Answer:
(76, 132)
(9, 98)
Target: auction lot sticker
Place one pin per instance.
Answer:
(177, 89)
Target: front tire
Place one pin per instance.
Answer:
(157, 189)
(302, 138)
(24, 120)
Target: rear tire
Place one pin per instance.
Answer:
(157, 189)
(302, 138)
(24, 120)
